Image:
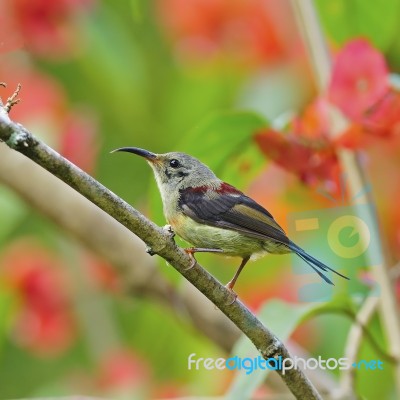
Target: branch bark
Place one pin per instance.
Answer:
(160, 241)
(137, 271)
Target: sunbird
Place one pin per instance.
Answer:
(215, 217)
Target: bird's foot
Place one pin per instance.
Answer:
(190, 251)
(150, 251)
(229, 286)
(168, 229)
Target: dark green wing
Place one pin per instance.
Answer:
(230, 209)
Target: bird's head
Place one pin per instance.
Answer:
(175, 170)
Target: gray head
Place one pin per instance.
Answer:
(175, 170)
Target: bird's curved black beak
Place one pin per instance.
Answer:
(148, 155)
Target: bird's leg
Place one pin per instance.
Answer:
(171, 233)
(192, 250)
(232, 282)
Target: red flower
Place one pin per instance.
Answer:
(47, 26)
(206, 29)
(10, 39)
(103, 273)
(43, 100)
(44, 105)
(43, 322)
(313, 124)
(383, 118)
(312, 165)
(352, 138)
(79, 141)
(122, 369)
(359, 78)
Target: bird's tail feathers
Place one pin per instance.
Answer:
(315, 264)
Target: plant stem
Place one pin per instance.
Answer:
(321, 62)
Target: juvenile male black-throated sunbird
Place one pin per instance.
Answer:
(214, 216)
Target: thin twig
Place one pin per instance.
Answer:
(19, 139)
(321, 62)
(355, 338)
(12, 100)
(353, 344)
(360, 320)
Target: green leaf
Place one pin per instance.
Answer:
(136, 11)
(241, 169)
(282, 319)
(222, 136)
(344, 20)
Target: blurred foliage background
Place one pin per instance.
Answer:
(230, 82)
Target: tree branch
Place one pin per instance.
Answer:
(19, 139)
(137, 274)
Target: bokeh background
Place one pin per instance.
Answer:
(230, 82)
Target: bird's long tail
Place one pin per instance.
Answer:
(315, 264)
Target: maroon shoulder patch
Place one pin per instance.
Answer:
(226, 188)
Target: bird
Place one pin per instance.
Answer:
(215, 217)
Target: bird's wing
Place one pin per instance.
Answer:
(227, 207)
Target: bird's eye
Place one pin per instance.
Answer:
(174, 163)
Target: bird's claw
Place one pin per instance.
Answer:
(194, 261)
(150, 251)
(234, 294)
(168, 229)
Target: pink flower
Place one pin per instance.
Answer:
(44, 107)
(246, 30)
(10, 38)
(47, 27)
(79, 141)
(359, 78)
(313, 123)
(122, 368)
(43, 321)
(43, 100)
(383, 118)
(311, 164)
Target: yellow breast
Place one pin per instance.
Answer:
(205, 236)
